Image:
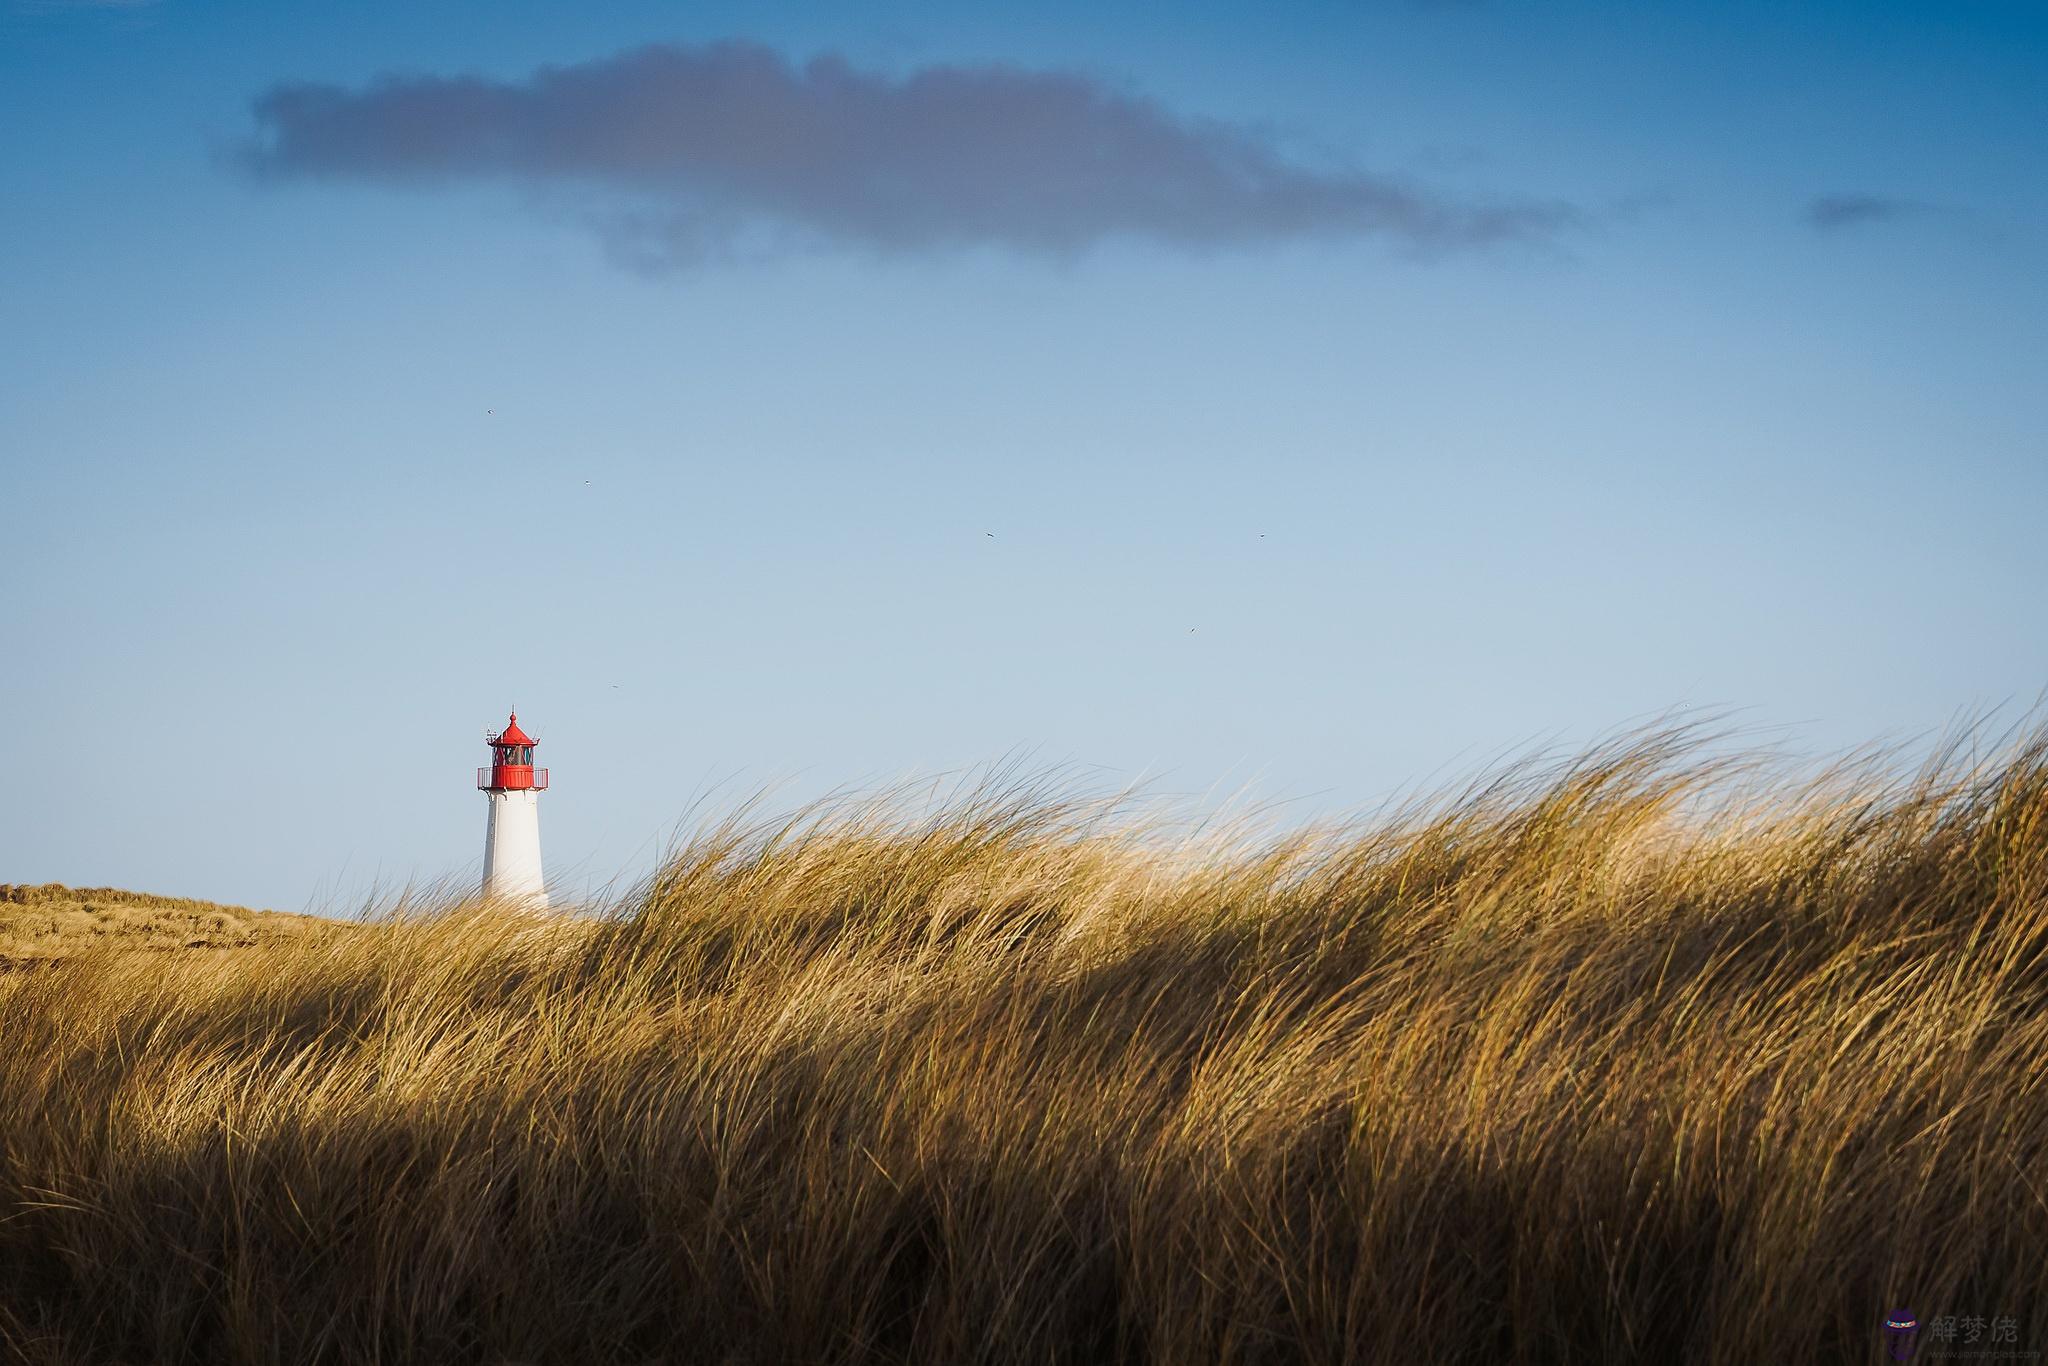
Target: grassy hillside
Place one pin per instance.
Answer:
(1638, 1059)
(40, 924)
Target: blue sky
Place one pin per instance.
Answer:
(317, 456)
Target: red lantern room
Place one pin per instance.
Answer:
(511, 767)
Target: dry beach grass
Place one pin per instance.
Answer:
(1641, 1057)
(41, 924)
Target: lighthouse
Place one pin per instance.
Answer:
(512, 839)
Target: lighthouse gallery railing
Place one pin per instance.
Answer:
(512, 772)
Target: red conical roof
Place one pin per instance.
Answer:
(512, 735)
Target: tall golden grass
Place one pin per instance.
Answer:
(1645, 1056)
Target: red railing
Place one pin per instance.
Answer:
(511, 777)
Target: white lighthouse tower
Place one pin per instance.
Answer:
(512, 839)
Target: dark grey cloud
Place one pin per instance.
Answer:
(676, 153)
(1829, 212)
